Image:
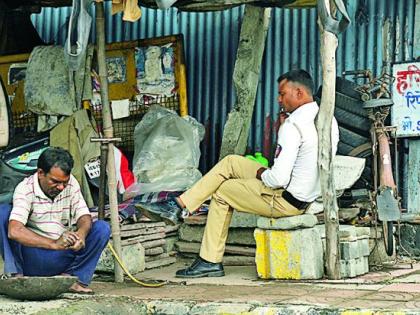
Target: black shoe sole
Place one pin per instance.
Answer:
(157, 217)
(203, 275)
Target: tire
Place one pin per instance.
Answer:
(362, 151)
(378, 103)
(351, 138)
(355, 123)
(350, 104)
(347, 87)
(388, 229)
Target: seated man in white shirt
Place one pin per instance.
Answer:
(285, 189)
(36, 237)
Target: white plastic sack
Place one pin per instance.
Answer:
(166, 152)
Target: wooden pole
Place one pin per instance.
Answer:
(329, 43)
(245, 77)
(108, 133)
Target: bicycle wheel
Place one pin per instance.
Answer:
(388, 229)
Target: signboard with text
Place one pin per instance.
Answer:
(405, 113)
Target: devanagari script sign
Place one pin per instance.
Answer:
(405, 113)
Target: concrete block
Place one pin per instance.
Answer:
(321, 230)
(294, 254)
(243, 220)
(348, 268)
(354, 267)
(132, 255)
(347, 233)
(288, 223)
(363, 247)
(240, 236)
(362, 231)
(349, 250)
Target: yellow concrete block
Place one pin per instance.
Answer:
(289, 254)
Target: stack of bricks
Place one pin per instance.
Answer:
(240, 244)
(354, 249)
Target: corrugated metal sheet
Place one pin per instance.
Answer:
(211, 41)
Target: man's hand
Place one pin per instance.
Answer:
(67, 240)
(282, 117)
(259, 172)
(79, 244)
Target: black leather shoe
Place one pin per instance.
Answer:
(201, 268)
(168, 211)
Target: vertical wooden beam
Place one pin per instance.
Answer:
(108, 133)
(245, 78)
(329, 43)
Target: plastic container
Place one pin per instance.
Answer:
(258, 157)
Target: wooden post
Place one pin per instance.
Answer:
(245, 78)
(329, 43)
(108, 133)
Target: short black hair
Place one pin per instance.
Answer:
(56, 157)
(299, 76)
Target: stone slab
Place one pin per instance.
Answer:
(133, 257)
(239, 236)
(169, 245)
(153, 251)
(160, 263)
(243, 220)
(288, 223)
(289, 254)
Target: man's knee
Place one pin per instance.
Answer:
(5, 212)
(231, 158)
(101, 229)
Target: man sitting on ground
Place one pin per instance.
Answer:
(285, 189)
(35, 234)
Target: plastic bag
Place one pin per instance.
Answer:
(166, 152)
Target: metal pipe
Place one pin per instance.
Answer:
(102, 181)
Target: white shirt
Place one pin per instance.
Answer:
(42, 215)
(296, 162)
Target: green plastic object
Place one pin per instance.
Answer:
(258, 157)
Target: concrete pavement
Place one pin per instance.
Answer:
(395, 290)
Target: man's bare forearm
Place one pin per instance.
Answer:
(84, 223)
(21, 234)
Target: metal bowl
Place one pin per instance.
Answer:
(36, 288)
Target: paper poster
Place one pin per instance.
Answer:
(117, 69)
(120, 109)
(155, 70)
(405, 113)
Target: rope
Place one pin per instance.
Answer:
(157, 284)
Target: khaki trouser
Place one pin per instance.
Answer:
(232, 185)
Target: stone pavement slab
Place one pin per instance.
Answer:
(240, 292)
(402, 287)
